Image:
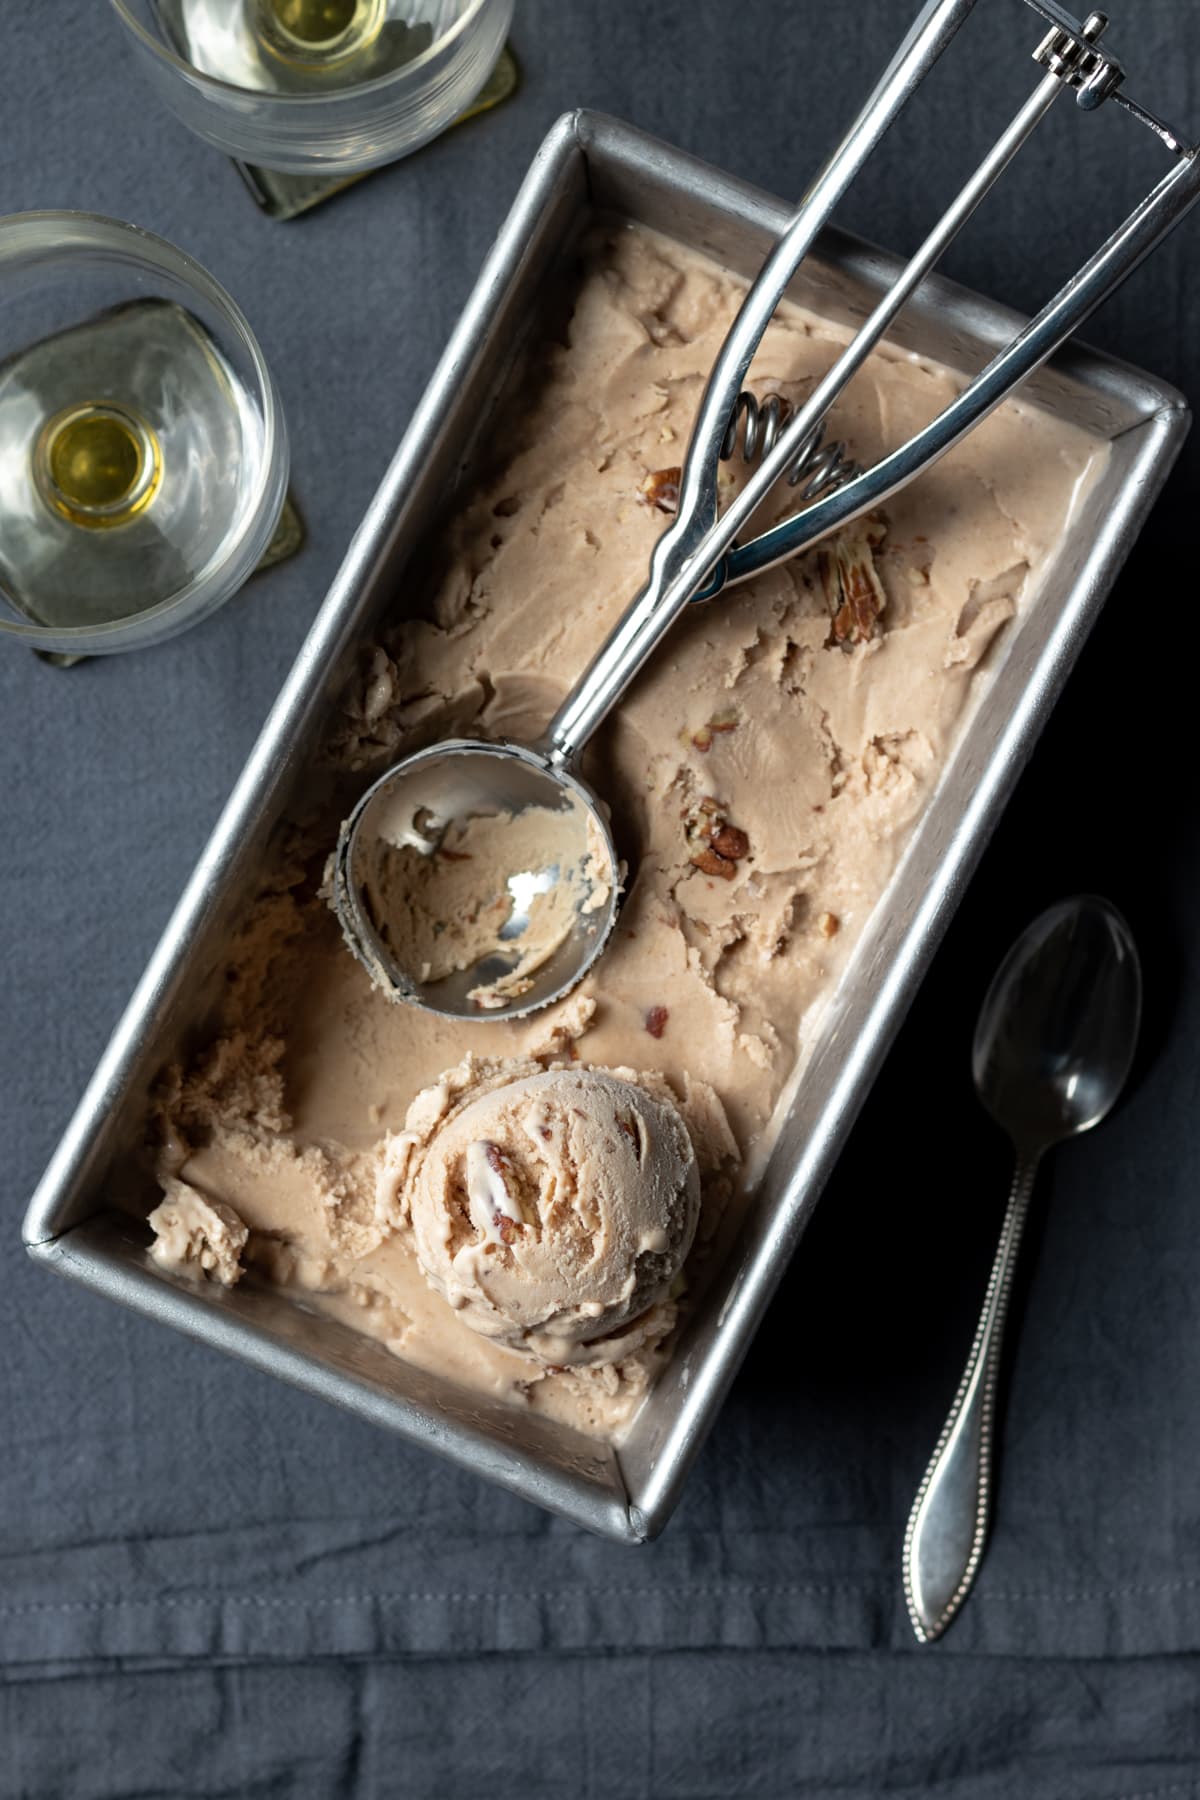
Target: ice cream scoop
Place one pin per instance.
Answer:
(700, 552)
(485, 890)
(554, 1212)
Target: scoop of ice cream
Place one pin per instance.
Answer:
(554, 1211)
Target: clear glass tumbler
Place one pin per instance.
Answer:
(317, 87)
(143, 452)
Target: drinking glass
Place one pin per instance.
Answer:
(143, 452)
(317, 87)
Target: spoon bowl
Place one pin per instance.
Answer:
(1059, 1024)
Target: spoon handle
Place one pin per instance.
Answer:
(947, 1528)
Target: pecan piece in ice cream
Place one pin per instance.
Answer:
(716, 847)
(853, 591)
(656, 1021)
(661, 489)
(491, 1192)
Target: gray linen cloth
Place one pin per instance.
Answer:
(210, 1584)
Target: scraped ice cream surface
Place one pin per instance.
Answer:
(191, 1232)
(526, 1206)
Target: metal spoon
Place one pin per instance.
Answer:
(1053, 1047)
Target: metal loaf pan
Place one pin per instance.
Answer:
(85, 1220)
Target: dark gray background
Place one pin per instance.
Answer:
(211, 1585)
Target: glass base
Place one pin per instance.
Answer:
(288, 539)
(287, 196)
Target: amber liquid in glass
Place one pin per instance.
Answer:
(125, 446)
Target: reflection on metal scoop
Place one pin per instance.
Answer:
(474, 882)
(701, 553)
(525, 888)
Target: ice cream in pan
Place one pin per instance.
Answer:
(533, 1220)
(764, 774)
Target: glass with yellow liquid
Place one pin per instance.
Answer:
(318, 87)
(143, 454)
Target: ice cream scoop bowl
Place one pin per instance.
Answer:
(412, 911)
(411, 850)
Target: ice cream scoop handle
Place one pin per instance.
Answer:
(948, 1525)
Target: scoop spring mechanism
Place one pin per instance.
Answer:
(819, 465)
